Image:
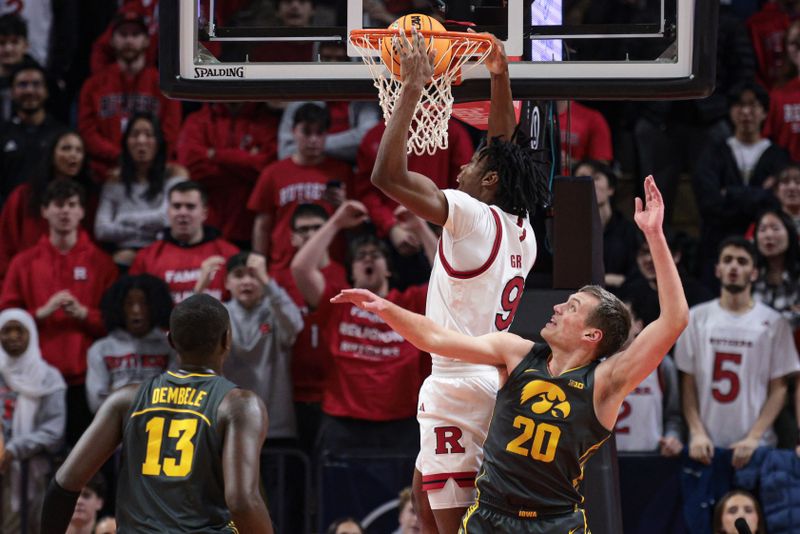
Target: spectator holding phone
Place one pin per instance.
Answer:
(307, 176)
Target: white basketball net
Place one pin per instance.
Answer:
(428, 131)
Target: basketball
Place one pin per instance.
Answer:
(424, 23)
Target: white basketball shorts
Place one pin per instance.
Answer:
(454, 414)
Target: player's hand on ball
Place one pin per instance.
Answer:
(701, 449)
(650, 216)
(416, 63)
(363, 298)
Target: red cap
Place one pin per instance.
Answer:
(128, 16)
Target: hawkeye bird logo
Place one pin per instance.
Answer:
(547, 398)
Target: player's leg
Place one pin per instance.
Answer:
(451, 443)
(448, 520)
(422, 507)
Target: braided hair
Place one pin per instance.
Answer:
(522, 173)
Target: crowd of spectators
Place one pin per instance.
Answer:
(116, 202)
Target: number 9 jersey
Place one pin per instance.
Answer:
(171, 476)
(478, 276)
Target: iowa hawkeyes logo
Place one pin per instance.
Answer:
(547, 398)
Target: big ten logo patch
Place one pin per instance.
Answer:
(447, 440)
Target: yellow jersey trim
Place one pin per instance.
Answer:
(467, 516)
(189, 375)
(565, 371)
(175, 410)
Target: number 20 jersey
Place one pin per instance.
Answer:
(479, 273)
(171, 472)
(543, 431)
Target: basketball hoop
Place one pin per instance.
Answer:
(428, 130)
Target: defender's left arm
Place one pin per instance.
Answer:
(620, 374)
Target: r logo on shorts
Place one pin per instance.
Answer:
(447, 440)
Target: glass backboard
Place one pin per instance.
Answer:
(298, 49)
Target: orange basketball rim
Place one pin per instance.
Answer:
(464, 51)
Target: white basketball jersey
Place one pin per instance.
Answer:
(479, 273)
(733, 358)
(641, 417)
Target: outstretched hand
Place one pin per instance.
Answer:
(416, 62)
(363, 298)
(650, 217)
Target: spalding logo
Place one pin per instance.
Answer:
(548, 398)
(219, 72)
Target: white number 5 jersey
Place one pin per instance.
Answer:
(479, 273)
(733, 358)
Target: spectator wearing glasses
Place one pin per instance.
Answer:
(306, 176)
(369, 360)
(308, 377)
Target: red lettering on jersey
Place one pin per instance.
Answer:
(524, 231)
(509, 302)
(447, 440)
(516, 261)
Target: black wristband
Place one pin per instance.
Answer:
(57, 508)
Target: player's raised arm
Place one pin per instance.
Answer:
(620, 374)
(390, 174)
(502, 120)
(244, 423)
(95, 446)
(498, 348)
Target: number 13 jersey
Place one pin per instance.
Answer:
(171, 473)
(479, 272)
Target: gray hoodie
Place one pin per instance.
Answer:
(120, 359)
(260, 359)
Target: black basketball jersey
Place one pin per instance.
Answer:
(171, 472)
(543, 431)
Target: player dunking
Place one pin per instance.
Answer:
(486, 250)
(560, 401)
(191, 442)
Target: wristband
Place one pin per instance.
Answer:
(57, 508)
